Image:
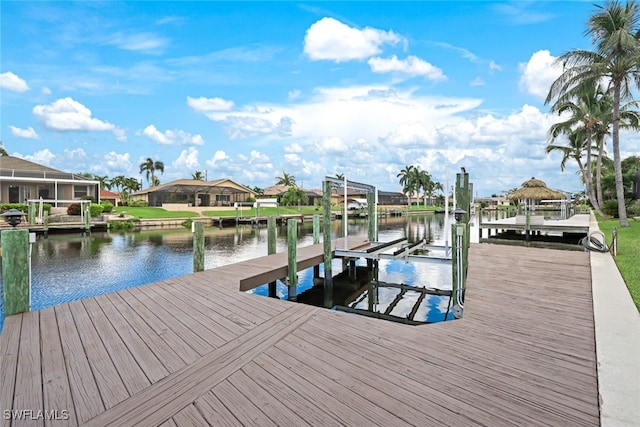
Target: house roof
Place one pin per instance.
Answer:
(196, 186)
(16, 167)
(104, 194)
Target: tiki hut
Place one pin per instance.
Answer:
(532, 191)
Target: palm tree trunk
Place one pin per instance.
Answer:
(617, 163)
(589, 177)
(599, 172)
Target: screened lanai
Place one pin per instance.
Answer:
(222, 192)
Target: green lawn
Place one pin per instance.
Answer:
(150, 212)
(628, 259)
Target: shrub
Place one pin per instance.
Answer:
(107, 206)
(93, 200)
(19, 206)
(121, 225)
(74, 209)
(610, 207)
(95, 209)
(138, 203)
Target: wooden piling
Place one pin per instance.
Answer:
(328, 278)
(198, 246)
(271, 249)
(15, 271)
(31, 215)
(292, 248)
(371, 205)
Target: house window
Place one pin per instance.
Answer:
(19, 194)
(80, 191)
(223, 199)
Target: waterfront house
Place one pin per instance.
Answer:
(111, 197)
(22, 180)
(220, 192)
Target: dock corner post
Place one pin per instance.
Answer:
(198, 246)
(292, 247)
(15, 271)
(271, 249)
(527, 226)
(316, 229)
(31, 215)
(326, 241)
(371, 205)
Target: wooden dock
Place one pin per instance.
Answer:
(195, 351)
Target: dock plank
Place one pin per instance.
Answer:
(55, 382)
(130, 372)
(9, 351)
(86, 396)
(110, 385)
(28, 388)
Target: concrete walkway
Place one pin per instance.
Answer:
(617, 324)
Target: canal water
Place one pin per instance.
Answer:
(68, 267)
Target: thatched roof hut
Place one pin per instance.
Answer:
(534, 190)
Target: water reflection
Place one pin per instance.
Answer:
(67, 267)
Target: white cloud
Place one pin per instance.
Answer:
(293, 94)
(329, 39)
(204, 105)
(493, 66)
(293, 148)
(412, 66)
(43, 157)
(332, 145)
(67, 114)
(28, 133)
(46, 91)
(477, 82)
(12, 82)
(139, 42)
(539, 73)
(172, 137)
(411, 135)
(187, 160)
(219, 157)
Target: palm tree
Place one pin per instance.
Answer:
(573, 150)
(286, 179)
(614, 30)
(3, 152)
(103, 180)
(589, 107)
(340, 176)
(407, 182)
(150, 167)
(197, 176)
(259, 191)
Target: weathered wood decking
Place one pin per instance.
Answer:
(195, 351)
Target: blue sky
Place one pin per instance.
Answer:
(248, 90)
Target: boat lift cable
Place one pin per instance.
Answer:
(592, 243)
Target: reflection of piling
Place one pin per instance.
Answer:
(45, 223)
(198, 246)
(15, 271)
(316, 240)
(87, 220)
(292, 247)
(271, 249)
